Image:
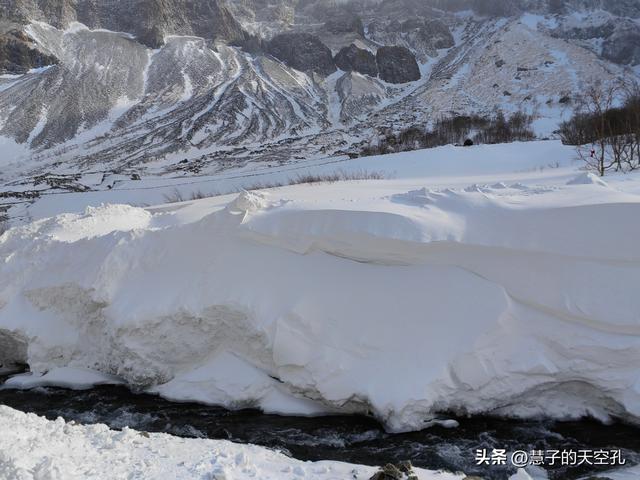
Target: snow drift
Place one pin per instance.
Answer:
(510, 299)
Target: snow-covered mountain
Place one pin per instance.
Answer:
(167, 87)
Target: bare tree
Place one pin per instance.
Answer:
(595, 105)
(632, 109)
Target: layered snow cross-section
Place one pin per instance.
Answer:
(403, 302)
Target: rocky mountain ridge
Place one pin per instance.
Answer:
(182, 87)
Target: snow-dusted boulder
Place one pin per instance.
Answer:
(397, 65)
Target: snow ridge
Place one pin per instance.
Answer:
(481, 296)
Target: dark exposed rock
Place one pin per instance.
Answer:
(437, 34)
(282, 11)
(55, 12)
(623, 47)
(13, 348)
(496, 8)
(344, 22)
(152, 38)
(397, 65)
(410, 8)
(431, 32)
(411, 24)
(302, 51)
(251, 44)
(586, 32)
(356, 59)
(394, 26)
(619, 37)
(401, 471)
(19, 54)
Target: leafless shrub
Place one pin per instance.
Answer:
(199, 195)
(605, 127)
(304, 178)
(174, 197)
(338, 176)
(458, 130)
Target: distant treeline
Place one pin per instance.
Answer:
(498, 8)
(460, 130)
(606, 128)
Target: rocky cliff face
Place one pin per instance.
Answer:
(302, 51)
(344, 22)
(623, 46)
(19, 54)
(58, 13)
(397, 65)
(354, 59)
(148, 20)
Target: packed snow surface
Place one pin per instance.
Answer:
(513, 292)
(33, 448)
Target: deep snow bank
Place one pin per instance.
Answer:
(511, 299)
(33, 448)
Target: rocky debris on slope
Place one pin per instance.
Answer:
(623, 47)
(55, 105)
(19, 54)
(433, 33)
(359, 95)
(496, 8)
(397, 65)
(58, 13)
(404, 9)
(302, 51)
(148, 20)
(192, 96)
(344, 22)
(422, 36)
(265, 12)
(613, 38)
(354, 59)
(604, 30)
(630, 8)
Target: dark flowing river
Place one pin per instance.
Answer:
(355, 439)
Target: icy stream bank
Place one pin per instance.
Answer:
(352, 439)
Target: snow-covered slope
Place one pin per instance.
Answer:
(115, 102)
(501, 292)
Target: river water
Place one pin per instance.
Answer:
(355, 439)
